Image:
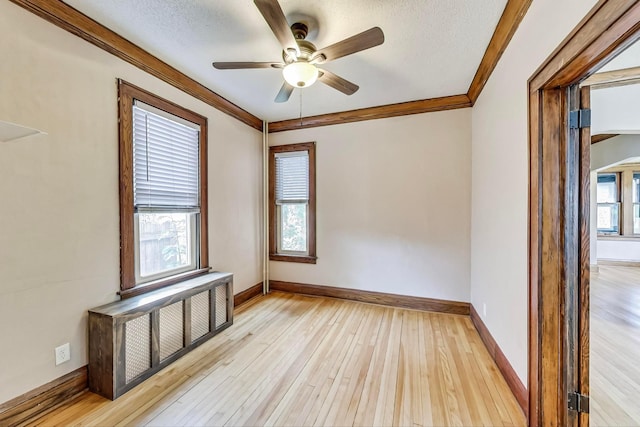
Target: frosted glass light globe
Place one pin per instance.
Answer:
(300, 74)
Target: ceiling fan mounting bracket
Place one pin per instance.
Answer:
(299, 30)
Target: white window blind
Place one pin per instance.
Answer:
(165, 160)
(292, 176)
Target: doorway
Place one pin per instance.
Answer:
(614, 318)
(559, 217)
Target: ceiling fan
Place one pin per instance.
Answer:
(300, 56)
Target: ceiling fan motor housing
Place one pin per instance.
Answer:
(307, 49)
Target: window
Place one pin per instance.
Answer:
(608, 195)
(163, 216)
(636, 203)
(292, 203)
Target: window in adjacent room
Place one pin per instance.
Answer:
(608, 195)
(163, 228)
(292, 203)
(636, 203)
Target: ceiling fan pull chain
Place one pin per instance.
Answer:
(300, 107)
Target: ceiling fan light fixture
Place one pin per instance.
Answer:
(300, 74)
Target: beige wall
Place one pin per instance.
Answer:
(393, 204)
(499, 251)
(59, 237)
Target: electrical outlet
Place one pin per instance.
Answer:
(484, 310)
(63, 354)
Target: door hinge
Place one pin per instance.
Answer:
(579, 119)
(579, 402)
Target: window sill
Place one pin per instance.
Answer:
(606, 237)
(161, 283)
(305, 259)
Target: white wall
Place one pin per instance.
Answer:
(393, 205)
(615, 109)
(59, 251)
(618, 250)
(499, 248)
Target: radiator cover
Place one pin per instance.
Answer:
(132, 339)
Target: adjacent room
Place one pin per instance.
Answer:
(615, 240)
(279, 212)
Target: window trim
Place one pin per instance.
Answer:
(619, 200)
(126, 95)
(310, 257)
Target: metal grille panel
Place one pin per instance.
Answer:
(171, 329)
(199, 315)
(221, 305)
(137, 347)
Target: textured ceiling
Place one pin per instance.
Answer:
(432, 47)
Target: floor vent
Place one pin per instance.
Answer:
(132, 339)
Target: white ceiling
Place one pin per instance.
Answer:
(432, 47)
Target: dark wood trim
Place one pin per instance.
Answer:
(393, 300)
(371, 113)
(556, 222)
(584, 261)
(127, 93)
(43, 399)
(609, 28)
(512, 16)
(513, 381)
(310, 147)
(162, 283)
(66, 17)
(293, 258)
(603, 137)
(247, 294)
(125, 136)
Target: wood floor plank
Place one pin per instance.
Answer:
(296, 405)
(278, 382)
(388, 386)
(331, 369)
(297, 360)
(366, 410)
(615, 346)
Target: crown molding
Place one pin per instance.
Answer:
(512, 16)
(75, 22)
(72, 20)
(510, 20)
(371, 113)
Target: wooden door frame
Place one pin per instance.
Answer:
(554, 210)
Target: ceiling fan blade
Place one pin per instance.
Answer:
(245, 65)
(337, 82)
(365, 40)
(273, 14)
(285, 92)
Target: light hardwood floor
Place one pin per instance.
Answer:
(615, 347)
(295, 360)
